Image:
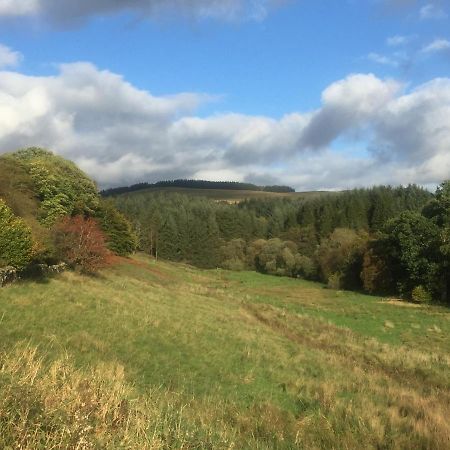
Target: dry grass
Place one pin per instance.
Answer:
(168, 356)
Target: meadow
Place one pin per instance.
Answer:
(157, 355)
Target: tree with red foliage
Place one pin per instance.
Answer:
(80, 243)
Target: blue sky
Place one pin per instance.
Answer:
(315, 94)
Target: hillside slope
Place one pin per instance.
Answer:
(160, 355)
(227, 195)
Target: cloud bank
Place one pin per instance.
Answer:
(367, 131)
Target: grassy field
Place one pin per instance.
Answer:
(159, 356)
(229, 195)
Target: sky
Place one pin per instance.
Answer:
(315, 94)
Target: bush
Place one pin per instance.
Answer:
(80, 243)
(421, 295)
(334, 281)
(305, 267)
(16, 245)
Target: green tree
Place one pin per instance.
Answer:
(169, 238)
(410, 247)
(340, 257)
(16, 245)
(63, 189)
(233, 255)
(120, 238)
(438, 210)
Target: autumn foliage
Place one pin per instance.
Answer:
(81, 243)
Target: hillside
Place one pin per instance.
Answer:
(39, 190)
(163, 355)
(197, 184)
(226, 195)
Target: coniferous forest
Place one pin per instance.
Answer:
(382, 240)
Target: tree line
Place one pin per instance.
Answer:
(386, 240)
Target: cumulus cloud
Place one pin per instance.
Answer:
(122, 135)
(415, 127)
(8, 57)
(348, 104)
(63, 12)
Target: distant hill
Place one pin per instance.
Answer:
(198, 184)
(226, 195)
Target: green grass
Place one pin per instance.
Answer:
(217, 359)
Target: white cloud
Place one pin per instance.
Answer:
(348, 104)
(11, 8)
(432, 11)
(438, 45)
(398, 40)
(8, 57)
(381, 59)
(63, 12)
(121, 135)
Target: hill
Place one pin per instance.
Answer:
(197, 184)
(225, 195)
(166, 356)
(37, 190)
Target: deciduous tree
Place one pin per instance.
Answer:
(80, 243)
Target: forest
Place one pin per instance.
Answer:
(381, 240)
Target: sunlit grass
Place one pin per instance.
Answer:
(217, 359)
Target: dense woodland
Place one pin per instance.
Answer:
(383, 240)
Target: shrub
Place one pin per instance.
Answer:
(305, 267)
(334, 281)
(421, 295)
(16, 245)
(80, 243)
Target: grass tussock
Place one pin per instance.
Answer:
(59, 407)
